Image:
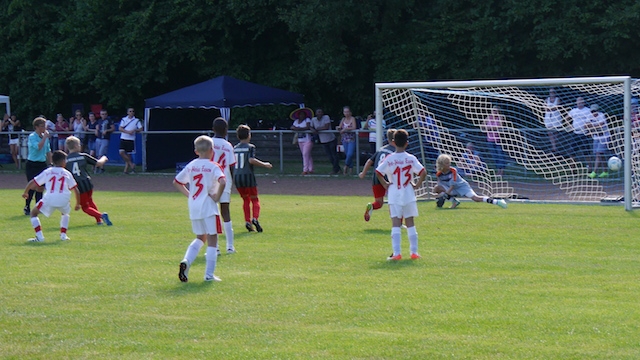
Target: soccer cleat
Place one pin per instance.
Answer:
(100, 223)
(440, 201)
(36, 239)
(249, 226)
(368, 211)
(27, 210)
(218, 252)
(394, 257)
(231, 251)
(105, 218)
(502, 203)
(415, 256)
(592, 175)
(64, 237)
(214, 278)
(183, 274)
(604, 174)
(454, 203)
(257, 225)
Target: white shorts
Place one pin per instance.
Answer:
(210, 225)
(14, 141)
(404, 211)
(47, 210)
(225, 197)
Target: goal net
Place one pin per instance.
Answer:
(537, 139)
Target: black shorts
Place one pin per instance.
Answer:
(34, 168)
(127, 145)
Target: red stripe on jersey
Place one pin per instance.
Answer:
(455, 174)
(178, 182)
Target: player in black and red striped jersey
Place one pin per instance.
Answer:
(376, 159)
(245, 179)
(77, 165)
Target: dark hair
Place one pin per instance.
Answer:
(58, 157)
(242, 132)
(220, 126)
(401, 137)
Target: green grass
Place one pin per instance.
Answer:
(529, 282)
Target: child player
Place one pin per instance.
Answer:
(77, 164)
(451, 184)
(206, 183)
(399, 168)
(378, 190)
(223, 155)
(245, 179)
(59, 184)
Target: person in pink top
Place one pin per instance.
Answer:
(491, 126)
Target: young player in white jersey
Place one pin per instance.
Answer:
(223, 155)
(451, 184)
(399, 168)
(206, 182)
(59, 184)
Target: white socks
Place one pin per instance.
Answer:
(228, 233)
(193, 250)
(413, 239)
(212, 259)
(395, 240)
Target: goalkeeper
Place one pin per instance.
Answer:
(451, 184)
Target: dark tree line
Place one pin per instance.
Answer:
(118, 52)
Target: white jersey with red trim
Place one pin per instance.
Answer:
(400, 167)
(202, 175)
(58, 183)
(223, 155)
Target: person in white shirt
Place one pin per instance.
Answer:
(130, 125)
(599, 130)
(223, 154)
(320, 123)
(59, 184)
(580, 142)
(206, 182)
(399, 168)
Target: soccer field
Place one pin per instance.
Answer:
(528, 282)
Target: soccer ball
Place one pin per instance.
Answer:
(614, 163)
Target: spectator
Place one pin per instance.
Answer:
(370, 124)
(552, 118)
(51, 128)
(580, 142)
(91, 136)
(321, 123)
(103, 134)
(38, 156)
(301, 124)
(348, 138)
(129, 126)
(492, 125)
(62, 126)
(597, 127)
(13, 124)
(79, 125)
(471, 164)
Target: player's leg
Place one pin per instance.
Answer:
(410, 211)
(213, 229)
(226, 217)
(396, 223)
(64, 222)
(488, 200)
(255, 205)
(35, 223)
(86, 202)
(125, 158)
(246, 206)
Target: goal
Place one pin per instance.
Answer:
(545, 140)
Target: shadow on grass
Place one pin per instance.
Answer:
(394, 265)
(196, 284)
(378, 231)
(56, 242)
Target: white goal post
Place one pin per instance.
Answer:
(538, 151)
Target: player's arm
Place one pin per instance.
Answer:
(366, 168)
(256, 162)
(221, 184)
(32, 185)
(93, 161)
(180, 187)
(382, 180)
(421, 177)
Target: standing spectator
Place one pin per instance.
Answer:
(130, 125)
(321, 123)
(376, 159)
(62, 126)
(38, 157)
(51, 128)
(492, 125)
(13, 124)
(59, 184)
(206, 183)
(302, 124)
(552, 118)
(91, 136)
(370, 124)
(79, 125)
(223, 155)
(580, 141)
(77, 164)
(245, 179)
(597, 127)
(5, 122)
(401, 192)
(348, 138)
(103, 134)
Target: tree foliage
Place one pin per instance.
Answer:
(118, 53)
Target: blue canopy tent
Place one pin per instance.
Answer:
(222, 93)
